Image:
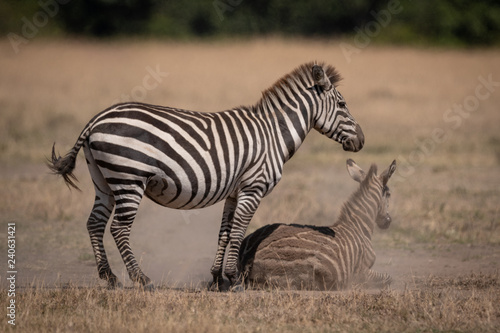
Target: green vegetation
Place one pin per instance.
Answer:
(446, 22)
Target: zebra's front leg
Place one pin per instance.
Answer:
(225, 230)
(378, 280)
(246, 206)
(125, 213)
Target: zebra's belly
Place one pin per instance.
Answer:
(182, 195)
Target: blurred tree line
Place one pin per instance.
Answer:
(448, 22)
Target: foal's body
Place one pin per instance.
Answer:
(323, 258)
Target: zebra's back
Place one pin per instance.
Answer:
(185, 159)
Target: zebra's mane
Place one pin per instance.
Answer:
(301, 76)
(354, 201)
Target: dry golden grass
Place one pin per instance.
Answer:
(438, 308)
(52, 88)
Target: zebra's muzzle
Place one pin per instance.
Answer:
(384, 222)
(354, 143)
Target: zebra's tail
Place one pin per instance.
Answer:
(64, 166)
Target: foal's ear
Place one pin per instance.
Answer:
(388, 173)
(355, 171)
(320, 77)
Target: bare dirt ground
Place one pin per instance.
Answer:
(183, 266)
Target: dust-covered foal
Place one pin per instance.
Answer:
(323, 258)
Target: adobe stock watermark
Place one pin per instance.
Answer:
(151, 81)
(453, 118)
(222, 6)
(364, 35)
(31, 27)
(11, 273)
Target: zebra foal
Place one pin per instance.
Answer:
(185, 160)
(323, 258)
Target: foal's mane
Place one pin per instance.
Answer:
(355, 198)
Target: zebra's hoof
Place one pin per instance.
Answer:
(217, 285)
(115, 285)
(214, 286)
(149, 287)
(237, 288)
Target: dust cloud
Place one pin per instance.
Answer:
(176, 248)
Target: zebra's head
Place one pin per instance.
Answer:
(379, 182)
(332, 117)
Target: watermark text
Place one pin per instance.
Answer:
(364, 35)
(150, 81)
(11, 273)
(31, 27)
(453, 119)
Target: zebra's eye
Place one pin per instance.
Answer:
(341, 104)
(386, 192)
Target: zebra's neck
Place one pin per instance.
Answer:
(360, 211)
(289, 113)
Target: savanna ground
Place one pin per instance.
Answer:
(442, 249)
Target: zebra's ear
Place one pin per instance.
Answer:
(320, 77)
(388, 173)
(355, 171)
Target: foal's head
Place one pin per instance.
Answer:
(372, 181)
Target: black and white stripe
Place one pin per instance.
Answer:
(294, 256)
(185, 159)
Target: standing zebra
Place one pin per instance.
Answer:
(185, 159)
(323, 258)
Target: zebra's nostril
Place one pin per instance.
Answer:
(348, 145)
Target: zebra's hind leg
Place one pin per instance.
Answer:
(96, 226)
(127, 203)
(98, 219)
